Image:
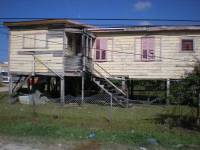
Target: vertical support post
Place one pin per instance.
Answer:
(90, 48)
(198, 111)
(83, 69)
(33, 84)
(65, 43)
(168, 91)
(127, 91)
(87, 47)
(90, 55)
(131, 88)
(123, 84)
(83, 51)
(82, 88)
(33, 66)
(111, 103)
(62, 91)
(10, 84)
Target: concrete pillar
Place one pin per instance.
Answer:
(168, 91)
(10, 84)
(62, 91)
(82, 88)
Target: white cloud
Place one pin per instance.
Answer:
(142, 5)
(145, 23)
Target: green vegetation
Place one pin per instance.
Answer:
(129, 125)
(187, 91)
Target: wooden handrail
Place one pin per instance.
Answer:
(47, 67)
(111, 76)
(110, 82)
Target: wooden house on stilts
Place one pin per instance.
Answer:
(70, 51)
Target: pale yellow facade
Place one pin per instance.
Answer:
(124, 55)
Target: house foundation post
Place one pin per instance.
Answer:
(83, 44)
(10, 84)
(82, 88)
(167, 91)
(62, 91)
(123, 84)
(131, 89)
(10, 88)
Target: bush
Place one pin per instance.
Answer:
(186, 91)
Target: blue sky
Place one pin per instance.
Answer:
(168, 9)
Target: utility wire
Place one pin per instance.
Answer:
(103, 19)
(122, 52)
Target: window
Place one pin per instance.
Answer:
(148, 55)
(148, 49)
(37, 40)
(29, 41)
(101, 47)
(187, 45)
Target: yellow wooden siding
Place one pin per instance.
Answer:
(24, 63)
(169, 62)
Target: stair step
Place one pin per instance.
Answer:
(118, 97)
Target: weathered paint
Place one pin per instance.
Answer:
(125, 51)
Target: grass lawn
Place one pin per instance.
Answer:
(132, 126)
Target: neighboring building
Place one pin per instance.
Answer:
(4, 72)
(69, 49)
(4, 67)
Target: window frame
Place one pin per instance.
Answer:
(149, 49)
(181, 45)
(100, 51)
(34, 47)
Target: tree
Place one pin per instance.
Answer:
(186, 91)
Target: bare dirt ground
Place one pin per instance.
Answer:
(4, 88)
(10, 143)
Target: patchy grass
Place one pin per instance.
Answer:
(1, 85)
(128, 126)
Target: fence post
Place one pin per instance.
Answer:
(198, 111)
(111, 103)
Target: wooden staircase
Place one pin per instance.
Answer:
(20, 83)
(118, 95)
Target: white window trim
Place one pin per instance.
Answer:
(34, 47)
(100, 60)
(141, 57)
(187, 38)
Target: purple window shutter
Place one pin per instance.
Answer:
(151, 43)
(103, 55)
(103, 48)
(97, 50)
(151, 55)
(148, 48)
(97, 44)
(97, 54)
(144, 43)
(151, 48)
(144, 54)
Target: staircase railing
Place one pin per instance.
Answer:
(21, 83)
(40, 61)
(110, 82)
(105, 78)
